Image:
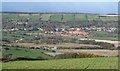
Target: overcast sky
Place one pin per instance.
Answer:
(82, 7)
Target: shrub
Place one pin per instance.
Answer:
(75, 55)
(6, 48)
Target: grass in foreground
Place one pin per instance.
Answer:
(79, 63)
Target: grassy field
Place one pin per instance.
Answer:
(80, 17)
(68, 17)
(34, 17)
(79, 63)
(15, 35)
(58, 17)
(103, 35)
(109, 18)
(105, 38)
(24, 52)
(92, 17)
(45, 17)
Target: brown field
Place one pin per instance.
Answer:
(109, 41)
(96, 52)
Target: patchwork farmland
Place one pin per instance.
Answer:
(59, 41)
(60, 17)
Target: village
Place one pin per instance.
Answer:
(70, 31)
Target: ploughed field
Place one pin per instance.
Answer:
(108, 53)
(79, 63)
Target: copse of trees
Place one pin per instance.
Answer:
(8, 57)
(75, 55)
(54, 39)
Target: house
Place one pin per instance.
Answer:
(111, 29)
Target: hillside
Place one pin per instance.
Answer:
(55, 20)
(62, 17)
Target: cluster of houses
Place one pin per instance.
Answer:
(70, 31)
(110, 29)
(76, 32)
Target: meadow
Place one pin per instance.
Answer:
(59, 17)
(78, 63)
(104, 35)
(25, 52)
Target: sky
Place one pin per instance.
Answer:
(81, 7)
(60, 0)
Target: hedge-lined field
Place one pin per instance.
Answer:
(25, 53)
(103, 35)
(79, 63)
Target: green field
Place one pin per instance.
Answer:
(68, 17)
(106, 38)
(26, 53)
(93, 17)
(109, 18)
(80, 17)
(46, 17)
(57, 17)
(79, 63)
(103, 35)
(16, 35)
(35, 17)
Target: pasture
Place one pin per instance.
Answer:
(104, 35)
(78, 63)
(25, 53)
(59, 17)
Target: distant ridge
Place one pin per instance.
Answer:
(55, 13)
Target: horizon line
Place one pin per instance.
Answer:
(54, 13)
